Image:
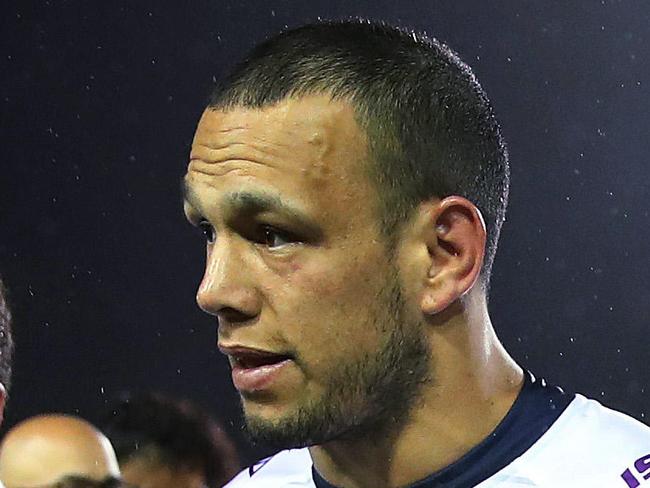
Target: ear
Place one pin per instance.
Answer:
(454, 232)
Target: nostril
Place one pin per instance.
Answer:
(232, 316)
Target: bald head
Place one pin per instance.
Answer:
(42, 450)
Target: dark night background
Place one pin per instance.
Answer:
(99, 101)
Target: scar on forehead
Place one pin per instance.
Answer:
(316, 139)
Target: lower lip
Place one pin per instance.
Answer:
(255, 379)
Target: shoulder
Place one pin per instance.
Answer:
(286, 468)
(591, 445)
(589, 425)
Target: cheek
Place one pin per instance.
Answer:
(329, 313)
(328, 285)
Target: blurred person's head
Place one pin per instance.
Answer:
(43, 450)
(6, 348)
(83, 482)
(162, 442)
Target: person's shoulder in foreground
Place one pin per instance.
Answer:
(548, 439)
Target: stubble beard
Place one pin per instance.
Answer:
(364, 398)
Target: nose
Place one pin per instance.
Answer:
(227, 289)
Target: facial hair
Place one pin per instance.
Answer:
(363, 397)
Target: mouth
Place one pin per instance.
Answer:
(255, 369)
(251, 357)
(256, 360)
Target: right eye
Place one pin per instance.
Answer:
(207, 230)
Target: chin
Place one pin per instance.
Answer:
(267, 411)
(275, 426)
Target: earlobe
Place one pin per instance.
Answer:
(456, 249)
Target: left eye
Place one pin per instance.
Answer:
(274, 238)
(207, 230)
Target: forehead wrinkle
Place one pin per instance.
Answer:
(262, 130)
(250, 138)
(255, 135)
(253, 152)
(220, 168)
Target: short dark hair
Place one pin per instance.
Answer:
(430, 126)
(83, 482)
(175, 433)
(6, 339)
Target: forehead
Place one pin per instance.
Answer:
(305, 148)
(315, 126)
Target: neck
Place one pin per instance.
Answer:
(475, 384)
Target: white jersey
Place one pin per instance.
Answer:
(548, 439)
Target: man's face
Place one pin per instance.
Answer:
(297, 268)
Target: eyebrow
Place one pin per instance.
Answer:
(247, 202)
(189, 195)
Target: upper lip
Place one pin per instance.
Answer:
(238, 351)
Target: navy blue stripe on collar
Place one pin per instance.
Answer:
(536, 408)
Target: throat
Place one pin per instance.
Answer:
(361, 462)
